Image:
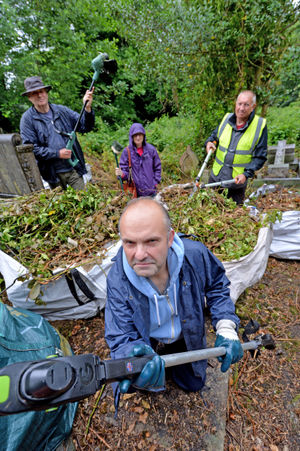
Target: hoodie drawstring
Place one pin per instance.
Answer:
(157, 309)
(175, 299)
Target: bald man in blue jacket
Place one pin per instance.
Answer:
(157, 290)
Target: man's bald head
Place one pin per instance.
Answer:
(146, 206)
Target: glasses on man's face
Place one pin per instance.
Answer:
(246, 105)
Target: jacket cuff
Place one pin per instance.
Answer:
(227, 329)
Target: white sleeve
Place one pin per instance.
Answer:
(226, 328)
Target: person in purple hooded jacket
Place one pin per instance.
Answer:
(145, 162)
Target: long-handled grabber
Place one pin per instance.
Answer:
(100, 64)
(117, 149)
(197, 180)
(43, 384)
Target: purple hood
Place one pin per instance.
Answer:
(134, 129)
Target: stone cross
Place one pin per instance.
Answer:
(280, 168)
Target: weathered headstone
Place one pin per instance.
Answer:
(280, 168)
(289, 155)
(188, 162)
(19, 173)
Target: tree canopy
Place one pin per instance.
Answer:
(188, 56)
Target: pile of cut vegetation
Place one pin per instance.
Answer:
(209, 216)
(61, 229)
(51, 229)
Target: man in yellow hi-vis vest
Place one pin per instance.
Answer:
(242, 143)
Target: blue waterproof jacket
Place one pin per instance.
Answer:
(47, 143)
(127, 310)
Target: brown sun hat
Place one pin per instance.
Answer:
(34, 84)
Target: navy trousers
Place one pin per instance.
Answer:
(182, 375)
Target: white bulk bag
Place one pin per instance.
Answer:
(58, 300)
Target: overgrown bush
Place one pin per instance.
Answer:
(171, 136)
(103, 136)
(283, 123)
(168, 132)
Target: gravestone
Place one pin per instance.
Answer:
(279, 168)
(188, 162)
(289, 156)
(19, 172)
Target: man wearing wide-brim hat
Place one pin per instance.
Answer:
(45, 124)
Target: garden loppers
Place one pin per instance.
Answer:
(100, 64)
(44, 384)
(196, 186)
(117, 148)
(223, 184)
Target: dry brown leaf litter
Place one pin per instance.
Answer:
(263, 397)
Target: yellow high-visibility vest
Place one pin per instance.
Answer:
(245, 146)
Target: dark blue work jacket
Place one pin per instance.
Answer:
(35, 130)
(202, 276)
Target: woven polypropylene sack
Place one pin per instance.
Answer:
(28, 336)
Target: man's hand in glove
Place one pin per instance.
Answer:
(227, 337)
(152, 376)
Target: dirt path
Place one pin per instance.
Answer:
(264, 399)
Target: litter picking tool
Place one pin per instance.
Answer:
(44, 384)
(100, 64)
(197, 180)
(117, 149)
